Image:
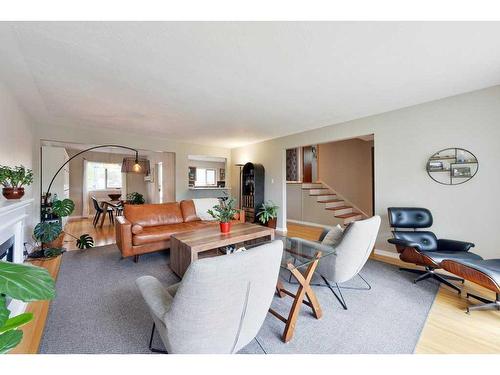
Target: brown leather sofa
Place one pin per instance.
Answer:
(147, 228)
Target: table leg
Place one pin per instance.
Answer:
(304, 290)
(104, 207)
(279, 289)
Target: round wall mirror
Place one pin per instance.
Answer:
(452, 166)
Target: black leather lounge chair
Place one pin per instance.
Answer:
(422, 247)
(482, 272)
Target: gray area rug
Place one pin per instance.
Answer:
(98, 309)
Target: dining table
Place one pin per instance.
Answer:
(116, 205)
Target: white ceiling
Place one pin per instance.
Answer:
(233, 83)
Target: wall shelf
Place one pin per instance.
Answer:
(446, 169)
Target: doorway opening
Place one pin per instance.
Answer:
(331, 183)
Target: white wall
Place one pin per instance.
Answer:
(16, 133)
(404, 140)
(16, 142)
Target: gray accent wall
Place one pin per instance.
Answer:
(404, 140)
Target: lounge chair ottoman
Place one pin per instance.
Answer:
(482, 272)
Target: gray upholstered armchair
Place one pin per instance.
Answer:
(350, 255)
(220, 304)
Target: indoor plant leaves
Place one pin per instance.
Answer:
(16, 322)
(63, 207)
(9, 340)
(4, 311)
(53, 252)
(26, 283)
(85, 241)
(47, 231)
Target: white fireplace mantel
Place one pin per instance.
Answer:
(15, 217)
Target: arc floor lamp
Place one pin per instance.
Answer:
(127, 167)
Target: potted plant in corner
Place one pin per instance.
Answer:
(224, 212)
(49, 235)
(268, 214)
(13, 180)
(135, 198)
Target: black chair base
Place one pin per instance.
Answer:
(430, 273)
(154, 350)
(340, 296)
(487, 304)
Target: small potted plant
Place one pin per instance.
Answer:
(13, 180)
(224, 212)
(268, 214)
(135, 198)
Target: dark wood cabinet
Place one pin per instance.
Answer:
(252, 190)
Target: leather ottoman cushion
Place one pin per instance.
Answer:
(439, 256)
(490, 267)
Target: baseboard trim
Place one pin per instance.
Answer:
(385, 253)
(75, 218)
(281, 231)
(307, 223)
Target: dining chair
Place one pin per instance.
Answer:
(99, 211)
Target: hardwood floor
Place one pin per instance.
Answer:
(447, 329)
(32, 332)
(102, 236)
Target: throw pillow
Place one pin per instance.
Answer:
(333, 237)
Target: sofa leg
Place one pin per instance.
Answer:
(136, 258)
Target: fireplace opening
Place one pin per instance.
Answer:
(7, 250)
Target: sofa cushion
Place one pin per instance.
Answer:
(202, 205)
(189, 211)
(333, 237)
(151, 215)
(163, 232)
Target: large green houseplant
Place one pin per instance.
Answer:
(13, 179)
(135, 198)
(49, 234)
(22, 282)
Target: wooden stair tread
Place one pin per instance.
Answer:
(337, 208)
(347, 216)
(321, 194)
(331, 201)
(315, 188)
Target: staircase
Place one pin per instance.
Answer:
(328, 200)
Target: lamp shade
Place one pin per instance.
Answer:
(133, 165)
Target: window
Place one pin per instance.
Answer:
(205, 177)
(102, 176)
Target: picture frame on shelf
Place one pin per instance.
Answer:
(435, 166)
(461, 172)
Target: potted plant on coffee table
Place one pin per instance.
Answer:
(268, 214)
(224, 212)
(13, 180)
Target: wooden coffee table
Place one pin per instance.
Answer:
(187, 247)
